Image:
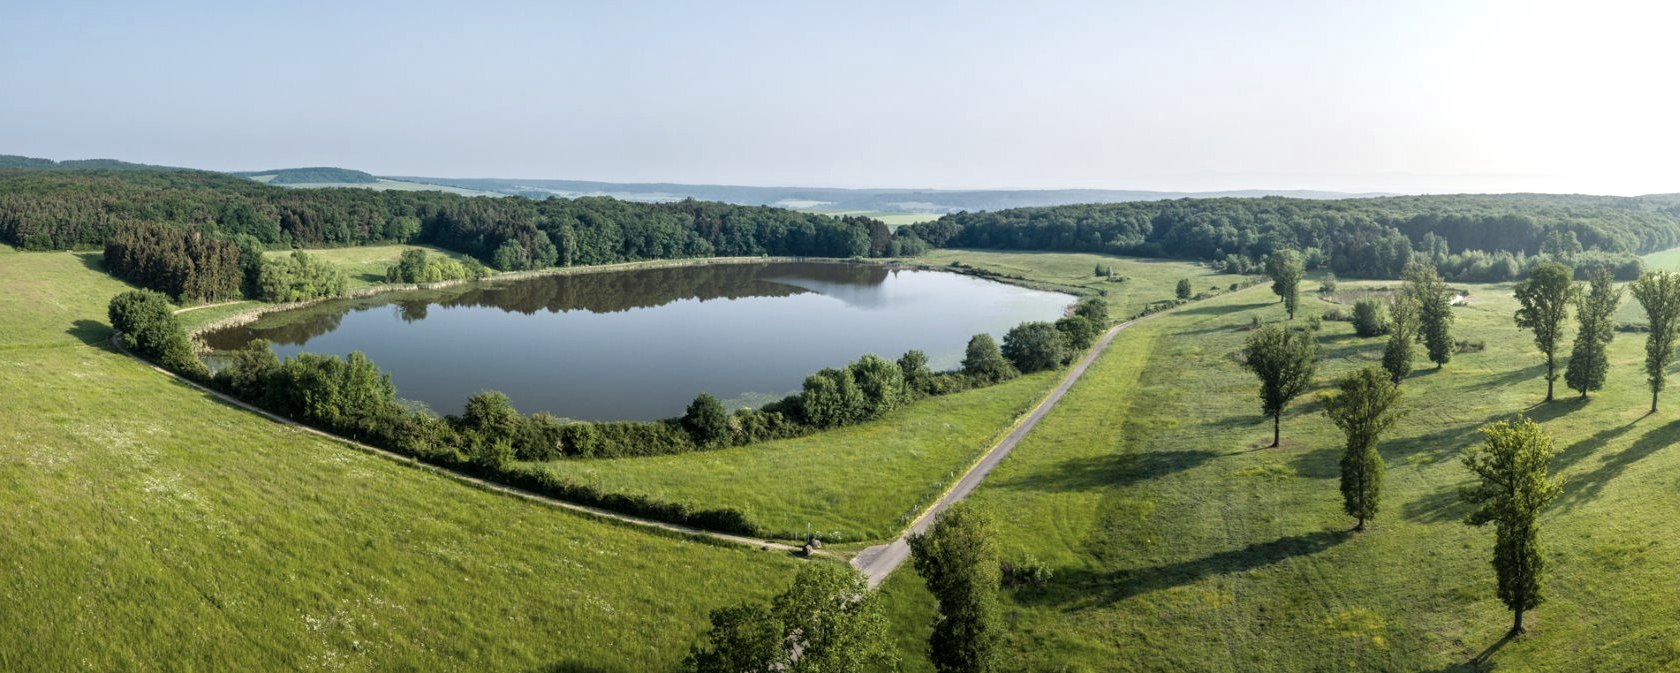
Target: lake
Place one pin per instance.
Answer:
(640, 344)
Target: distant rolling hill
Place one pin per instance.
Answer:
(316, 175)
(18, 161)
(896, 206)
(830, 199)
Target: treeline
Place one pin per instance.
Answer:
(52, 210)
(187, 265)
(1471, 237)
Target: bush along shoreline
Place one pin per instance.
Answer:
(352, 398)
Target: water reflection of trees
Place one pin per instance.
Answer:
(594, 292)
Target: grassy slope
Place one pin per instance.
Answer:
(149, 527)
(1180, 545)
(863, 482)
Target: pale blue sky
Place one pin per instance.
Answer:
(1397, 96)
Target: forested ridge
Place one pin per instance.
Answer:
(1472, 237)
(53, 209)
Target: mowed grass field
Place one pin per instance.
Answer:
(148, 527)
(893, 219)
(1180, 544)
(366, 265)
(1136, 282)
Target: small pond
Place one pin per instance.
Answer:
(639, 345)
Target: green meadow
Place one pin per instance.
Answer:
(1179, 543)
(148, 526)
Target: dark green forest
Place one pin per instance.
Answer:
(1471, 237)
(48, 210)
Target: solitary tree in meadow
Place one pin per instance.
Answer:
(1589, 360)
(1284, 360)
(1285, 270)
(1545, 298)
(959, 559)
(1659, 293)
(1402, 332)
(1363, 407)
(1434, 303)
(1512, 465)
(1184, 288)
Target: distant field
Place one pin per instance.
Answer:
(149, 527)
(1136, 283)
(1179, 545)
(367, 264)
(891, 218)
(1663, 260)
(382, 184)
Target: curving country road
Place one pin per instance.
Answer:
(879, 561)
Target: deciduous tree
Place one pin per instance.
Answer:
(1513, 466)
(1402, 333)
(1435, 317)
(1034, 347)
(1545, 298)
(1589, 360)
(1285, 270)
(984, 361)
(705, 420)
(1363, 407)
(958, 557)
(1659, 293)
(1285, 361)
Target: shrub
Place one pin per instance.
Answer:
(983, 361)
(1078, 331)
(706, 421)
(300, 277)
(1027, 572)
(917, 377)
(148, 327)
(1369, 318)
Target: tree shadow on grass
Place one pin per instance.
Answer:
(94, 261)
(574, 666)
(1109, 470)
(1583, 488)
(1480, 663)
(1574, 453)
(1536, 372)
(1078, 588)
(92, 333)
(1542, 412)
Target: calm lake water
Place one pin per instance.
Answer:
(639, 345)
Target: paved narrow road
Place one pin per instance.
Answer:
(880, 561)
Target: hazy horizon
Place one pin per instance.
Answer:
(1203, 96)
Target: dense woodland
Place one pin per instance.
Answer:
(53, 209)
(1470, 237)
